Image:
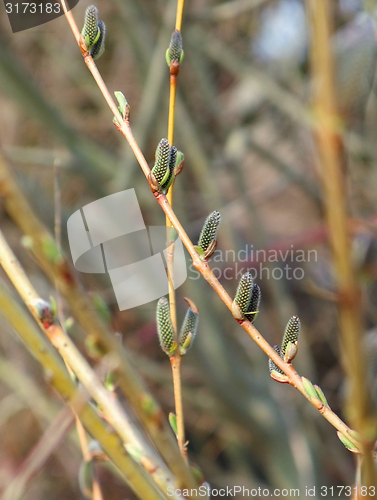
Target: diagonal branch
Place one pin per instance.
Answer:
(202, 266)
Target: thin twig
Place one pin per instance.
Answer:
(176, 360)
(178, 20)
(177, 385)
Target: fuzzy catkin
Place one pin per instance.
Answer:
(164, 325)
(291, 333)
(161, 163)
(209, 231)
(271, 365)
(244, 290)
(97, 50)
(90, 29)
(175, 46)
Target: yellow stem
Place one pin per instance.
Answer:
(170, 259)
(176, 360)
(178, 21)
(176, 370)
(173, 91)
(172, 303)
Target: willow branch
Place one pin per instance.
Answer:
(205, 270)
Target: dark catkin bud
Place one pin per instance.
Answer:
(164, 326)
(244, 291)
(271, 365)
(291, 333)
(175, 52)
(253, 309)
(99, 47)
(207, 238)
(172, 162)
(90, 30)
(161, 165)
(189, 328)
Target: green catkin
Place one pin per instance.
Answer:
(253, 309)
(188, 330)
(90, 29)
(172, 162)
(244, 291)
(98, 48)
(161, 165)
(175, 52)
(209, 231)
(164, 326)
(291, 333)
